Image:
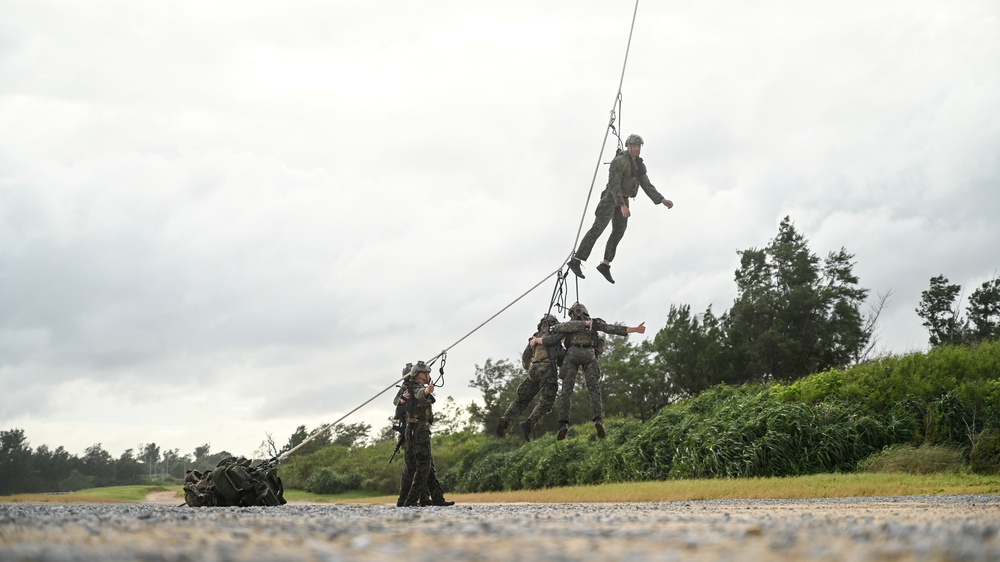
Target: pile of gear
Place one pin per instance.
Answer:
(235, 482)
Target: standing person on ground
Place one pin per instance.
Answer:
(580, 335)
(418, 394)
(627, 174)
(540, 362)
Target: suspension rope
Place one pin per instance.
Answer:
(561, 277)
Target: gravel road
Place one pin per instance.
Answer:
(940, 528)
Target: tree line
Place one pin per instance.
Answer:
(24, 470)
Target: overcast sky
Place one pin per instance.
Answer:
(222, 220)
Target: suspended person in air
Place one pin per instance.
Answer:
(627, 175)
(583, 344)
(542, 364)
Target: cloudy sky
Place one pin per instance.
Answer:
(222, 220)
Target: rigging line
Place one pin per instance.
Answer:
(326, 427)
(498, 313)
(605, 140)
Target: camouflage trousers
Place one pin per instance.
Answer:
(607, 212)
(419, 464)
(542, 378)
(580, 358)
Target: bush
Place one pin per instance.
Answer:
(926, 459)
(984, 458)
(328, 481)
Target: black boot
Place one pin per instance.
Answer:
(526, 428)
(502, 427)
(574, 264)
(605, 270)
(563, 430)
(599, 426)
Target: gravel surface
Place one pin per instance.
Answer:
(941, 528)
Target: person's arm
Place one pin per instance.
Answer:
(650, 189)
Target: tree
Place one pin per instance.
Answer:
(99, 464)
(793, 316)
(16, 474)
(128, 469)
(496, 381)
(940, 313)
(632, 385)
(449, 418)
(316, 443)
(352, 434)
(688, 355)
(202, 452)
(151, 455)
(984, 311)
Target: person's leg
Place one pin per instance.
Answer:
(618, 225)
(602, 216)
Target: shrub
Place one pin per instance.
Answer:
(984, 458)
(328, 481)
(926, 459)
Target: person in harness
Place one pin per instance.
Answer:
(582, 341)
(626, 176)
(418, 397)
(541, 362)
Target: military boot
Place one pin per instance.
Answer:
(526, 428)
(605, 270)
(574, 264)
(502, 427)
(563, 430)
(599, 426)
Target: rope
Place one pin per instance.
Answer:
(561, 277)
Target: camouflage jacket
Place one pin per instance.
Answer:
(626, 176)
(576, 332)
(539, 353)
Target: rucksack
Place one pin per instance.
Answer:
(234, 482)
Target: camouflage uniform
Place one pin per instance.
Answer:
(581, 346)
(406, 478)
(624, 179)
(542, 377)
(419, 461)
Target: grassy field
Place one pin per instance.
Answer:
(815, 486)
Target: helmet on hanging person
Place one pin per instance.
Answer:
(547, 320)
(578, 312)
(421, 367)
(633, 139)
(407, 369)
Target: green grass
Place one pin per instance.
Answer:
(114, 494)
(355, 496)
(797, 487)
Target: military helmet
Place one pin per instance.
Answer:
(547, 320)
(633, 139)
(578, 312)
(407, 369)
(421, 367)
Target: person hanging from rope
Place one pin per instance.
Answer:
(541, 362)
(580, 335)
(627, 174)
(418, 395)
